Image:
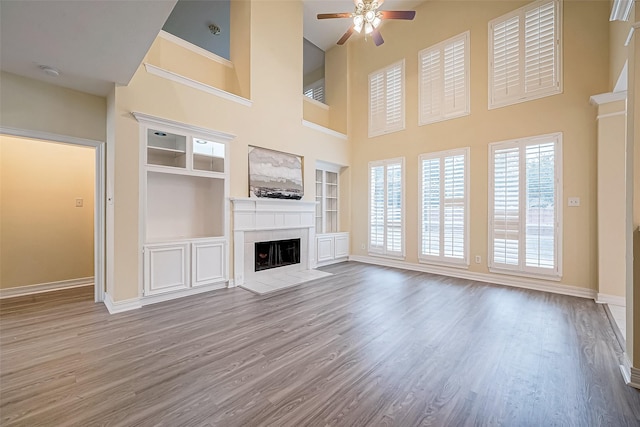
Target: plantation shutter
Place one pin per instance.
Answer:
(506, 58)
(444, 204)
(430, 207)
(394, 209)
(444, 83)
(540, 209)
(431, 82)
(506, 206)
(386, 100)
(524, 54)
(394, 98)
(377, 114)
(376, 209)
(525, 221)
(540, 52)
(454, 207)
(454, 78)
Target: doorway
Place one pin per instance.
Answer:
(67, 217)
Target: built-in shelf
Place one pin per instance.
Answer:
(171, 150)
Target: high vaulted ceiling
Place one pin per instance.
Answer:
(94, 43)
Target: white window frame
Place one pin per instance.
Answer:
(442, 259)
(445, 114)
(315, 90)
(524, 95)
(385, 128)
(383, 252)
(521, 269)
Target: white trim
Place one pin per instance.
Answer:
(620, 10)
(605, 98)
(99, 215)
(630, 374)
(632, 31)
(623, 79)
(45, 287)
(328, 166)
(611, 299)
(169, 75)
(194, 48)
(496, 279)
(323, 129)
(154, 299)
(605, 116)
(121, 306)
(315, 102)
(153, 120)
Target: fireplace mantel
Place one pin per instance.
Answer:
(261, 215)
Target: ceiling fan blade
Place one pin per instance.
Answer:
(398, 14)
(334, 15)
(346, 35)
(377, 37)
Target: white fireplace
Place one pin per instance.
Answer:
(260, 220)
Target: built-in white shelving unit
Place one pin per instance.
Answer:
(332, 245)
(184, 208)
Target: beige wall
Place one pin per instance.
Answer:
(273, 121)
(585, 73)
(336, 89)
(315, 113)
(45, 237)
(611, 199)
(35, 105)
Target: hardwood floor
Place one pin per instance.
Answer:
(367, 346)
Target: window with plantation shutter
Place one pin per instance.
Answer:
(444, 80)
(386, 100)
(525, 54)
(444, 204)
(315, 91)
(386, 207)
(525, 209)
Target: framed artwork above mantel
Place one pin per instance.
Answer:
(275, 174)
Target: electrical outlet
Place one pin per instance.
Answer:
(573, 201)
(478, 259)
(362, 246)
(79, 203)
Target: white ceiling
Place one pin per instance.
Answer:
(95, 43)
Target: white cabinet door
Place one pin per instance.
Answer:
(341, 246)
(208, 262)
(324, 248)
(166, 268)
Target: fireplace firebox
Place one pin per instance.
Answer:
(277, 253)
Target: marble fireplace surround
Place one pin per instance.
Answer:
(258, 220)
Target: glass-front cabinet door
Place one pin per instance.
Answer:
(208, 155)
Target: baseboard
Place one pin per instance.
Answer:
(154, 299)
(121, 306)
(45, 287)
(497, 279)
(630, 374)
(333, 261)
(611, 300)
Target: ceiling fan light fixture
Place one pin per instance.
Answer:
(369, 15)
(368, 28)
(376, 21)
(358, 22)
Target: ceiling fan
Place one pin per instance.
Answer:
(367, 16)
